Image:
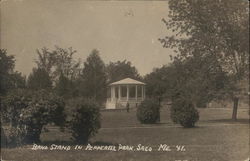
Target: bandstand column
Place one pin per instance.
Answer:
(136, 92)
(113, 91)
(127, 92)
(142, 91)
(119, 92)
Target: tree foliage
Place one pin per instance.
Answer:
(46, 59)
(120, 70)
(218, 29)
(29, 111)
(148, 111)
(94, 80)
(86, 120)
(63, 86)
(200, 79)
(65, 63)
(39, 79)
(183, 112)
(64, 71)
(9, 79)
(58, 61)
(17, 80)
(157, 83)
(7, 62)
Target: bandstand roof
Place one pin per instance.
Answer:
(127, 81)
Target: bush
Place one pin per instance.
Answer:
(15, 136)
(85, 121)
(184, 113)
(3, 138)
(30, 113)
(45, 108)
(12, 105)
(148, 112)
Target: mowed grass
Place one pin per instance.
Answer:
(216, 138)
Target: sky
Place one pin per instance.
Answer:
(118, 29)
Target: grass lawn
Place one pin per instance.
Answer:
(216, 138)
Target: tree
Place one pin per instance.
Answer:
(58, 61)
(17, 80)
(219, 28)
(63, 70)
(148, 112)
(7, 64)
(183, 112)
(120, 70)
(199, 79)
(46, 60)
(9, 80)
(85, 121)
(157, 83)
(63, 86)
(39, 79)
(65, 63)
(30, 111)
(94, 81)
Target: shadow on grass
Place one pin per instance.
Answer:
(157, 123)
(177, 126)
(242, 121)
(163, 123)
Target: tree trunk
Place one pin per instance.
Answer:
(235, 108)
(159, 112)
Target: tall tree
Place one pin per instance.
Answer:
(9, 79)
(63, 86)
(62, 68)
(219, 28)
(16, 80)
(39, 79)
(120, 70)
(66, 64)
(58, 61)
(46, 60)
(7, 64)
(200, 79)
(94, 77)
(157, 83)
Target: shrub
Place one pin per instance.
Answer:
(12, 105)
(31, 112)
(85, 120)
(3, 137)
(15, 136)
(44, 108)
(148, 112)
(184, 113)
